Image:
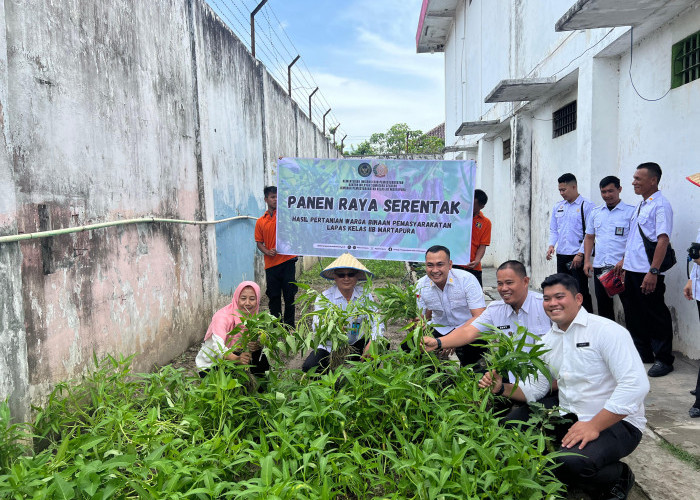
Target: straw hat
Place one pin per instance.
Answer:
(695, 179)
(346, 261)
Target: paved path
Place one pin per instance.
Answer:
(659, 474)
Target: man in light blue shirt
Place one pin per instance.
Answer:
(607, 230)
(567, 229)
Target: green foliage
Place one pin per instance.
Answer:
(508, 354)
(397, 426)
(399, 139)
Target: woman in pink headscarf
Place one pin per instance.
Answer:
(217, 341)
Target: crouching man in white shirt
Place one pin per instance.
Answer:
(602, 384)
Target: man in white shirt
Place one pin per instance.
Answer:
(601, 383)
(567, 228)
(449, 298)
(518, 306)
(607, 231)
(691, 291)
(648, 318)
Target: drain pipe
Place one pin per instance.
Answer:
(56, 232)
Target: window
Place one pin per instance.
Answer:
(506, 148)
(685, 66)
(564, 120)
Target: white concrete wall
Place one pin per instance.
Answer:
(616, 129)
(115, 110)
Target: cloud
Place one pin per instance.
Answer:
(364, 107)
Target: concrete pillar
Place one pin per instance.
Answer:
(597, 124)
(14, 374)
(521, 188)
(485, 170)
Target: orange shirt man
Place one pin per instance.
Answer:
(280, 270)
(481, 235)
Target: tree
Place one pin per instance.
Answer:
(399, 139)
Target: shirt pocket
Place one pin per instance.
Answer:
(432, 303)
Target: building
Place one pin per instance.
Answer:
(593, 87)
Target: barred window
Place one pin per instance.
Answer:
(506, 148)
(685, 61)
(564, 120)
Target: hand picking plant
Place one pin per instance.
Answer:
(399, 304)
(519, 354)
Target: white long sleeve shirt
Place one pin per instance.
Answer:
(501, 315)
(566, 227)
(695, 275)
(596, 366)
(451, 306)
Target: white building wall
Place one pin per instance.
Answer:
(616, 129)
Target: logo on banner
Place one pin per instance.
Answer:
(380, 170)
(364, 169)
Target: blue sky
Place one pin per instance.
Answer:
(361, 53)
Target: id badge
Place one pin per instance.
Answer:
(619, 231)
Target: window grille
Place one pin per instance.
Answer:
(506, 148)
(564, 120)
(685, 60)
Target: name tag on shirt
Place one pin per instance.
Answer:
(583, 344)
(619, 231)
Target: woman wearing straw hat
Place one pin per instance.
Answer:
(346, 271)
(692, 291)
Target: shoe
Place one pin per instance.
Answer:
(659, 369)
(694, 412)
(693, 392)
(622, 486)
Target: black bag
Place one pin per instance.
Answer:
(650, 247)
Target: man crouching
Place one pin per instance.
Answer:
(602, 384)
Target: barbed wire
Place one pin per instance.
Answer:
(276, 50)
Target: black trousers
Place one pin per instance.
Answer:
(280, 282)
(477, 274)
(259, 365)
(597, 466)
(562, 261)
(648, 319)
(697, 384)
(605, 304)
(321, 358)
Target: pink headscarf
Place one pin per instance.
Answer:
(226, 318)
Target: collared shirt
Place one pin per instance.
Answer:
(266, 233)
(452, 306)
(566, 228)
(655, 216)
(354, 325)
(501, 315)
(611, 229)
(695, 275)
(481, 235)
(596, 366)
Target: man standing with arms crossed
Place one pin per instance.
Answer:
(280, 270)
(648, 318)
(567, 229)
(608, 229)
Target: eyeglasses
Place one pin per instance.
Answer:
(346, 275)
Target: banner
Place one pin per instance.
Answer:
(374, 209)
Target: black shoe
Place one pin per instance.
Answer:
(693, 392)
(659, 369)
(622, 486)
(694, 412)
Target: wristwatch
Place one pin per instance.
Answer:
(439, 343)
(501, 390)
(654, 270)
